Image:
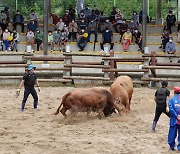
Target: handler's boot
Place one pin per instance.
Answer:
(22, 106)
(35, 104)
(154, 126)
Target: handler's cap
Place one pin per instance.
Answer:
(177, 89)
(30, 67)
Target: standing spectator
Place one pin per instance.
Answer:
(32, 25)
(72, 12)
(60, 25)
(82, 24)
(30, 38)
(178, 33)
(66, 18)
(63, 40)
(33, 16)
(170, 19)
(126, 39)
(107, 37)
(50, 39)
(170, 46)
(123, 28)
(15, 40)
(174, 108)
(135, 19)
(7, 12)
(3, 16)
(18, 19)
(161, 98)
(5, 37)
(56, 38)
(82, 39)
(165, 39)
(4, 24)
(138, 38)
(73, 28)
(92, 28)
(87, 12)
(38, 38)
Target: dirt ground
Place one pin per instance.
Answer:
(40, 132)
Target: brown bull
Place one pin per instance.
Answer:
(122, 89)
(77, 100)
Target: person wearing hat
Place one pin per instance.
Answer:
(161, 98)
(29, 80)
(174, 108)
(82, 39)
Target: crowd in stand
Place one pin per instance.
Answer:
(80, 29)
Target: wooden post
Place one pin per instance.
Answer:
(153, 62)
(68, 60)
(111, 75)
(106, 63)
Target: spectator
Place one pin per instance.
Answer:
(7, 12)
(92, 28)
(73, 28)
(50, 39)
(112, 15)
(87, 12)
(72, 12)
(81, 15)
(82, 39)
(1, 33)
(63, 40)
(107, 37)
(170, 46)
(170, 19)
(83, 24)
(138, 38)
(123, 28)
(55, 18)
(60, 25)
(56, 38)
(33, 16)
(5, 37)
(178, 33)
(96, 10)
(107, 24)
(30, 38)
(101, 19)
(32, 25)
(18, 19)
(135, 19)
(141, 15)
(3, 16)
(4, 24)
(15, 40)
(66, 18)
(165, 39)
(38, 38)
(118, 21)
(126, 39)
(93, 16)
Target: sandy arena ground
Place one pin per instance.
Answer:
(40, 132)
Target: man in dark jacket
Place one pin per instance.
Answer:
(170, 19)
(18, 19)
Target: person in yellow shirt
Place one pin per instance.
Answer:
(126, 40)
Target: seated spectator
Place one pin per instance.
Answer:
(5, 37)
(107, 37)
(81, 15)
(66, 18)
(63, 40)
(72, 12)
(126, 39)
(171, 20)
(55, 18)
(82, 39)
(50, 39)
(30, 38)
(93, 16)
(38, 38)
(60, 25)
(135, 19)
(7, 12)
(138, 38)
(33, 16)
(87, 12)
(101, 21)
(1, 41)
(82, 24)
(4, 24)
(3, 16)
(92, 28)
(32, 25)
(112, 15)
(107, 24)
(118, 21)
(178, 33)
(1, 33)
(131, 26)
(96, 10)
(165, 39)
(170, 46)
(123, 28)
(15, 40)
(56, 39)
(73, 29)
(18, 19)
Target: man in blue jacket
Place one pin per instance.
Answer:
(174, 107)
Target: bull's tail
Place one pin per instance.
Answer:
(62, 102)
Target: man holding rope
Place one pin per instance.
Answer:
(29, 80)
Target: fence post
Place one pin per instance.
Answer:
(106, 63)
(111, 75)
(67, 60)
(146, 63)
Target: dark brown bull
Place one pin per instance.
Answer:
(99, 99)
